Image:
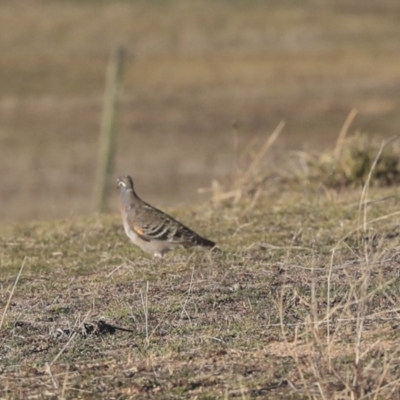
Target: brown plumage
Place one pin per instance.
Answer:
(151, 229)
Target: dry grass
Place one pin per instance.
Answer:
(356, 161)
(302, 303)
(351, 163)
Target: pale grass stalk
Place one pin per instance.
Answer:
(156, 327)
(188, 296)
(273, 247)
(360, 320)
(343, 133)
(352, 251)
(313, 333)
(64, 386)
(120, 266)
(361, 317)
(365, 189)
(311, 336)
(382, 218)
(314, 302)
(343, 381)
(304, 157)
(247, 149)
(68, 343)
(226, 397)
(379, 389)
(370, 348)
(242, 389)
(389, 296)
(146, 311)
(267, 145)
(214, 338)
(321, 390)
(253, 202)
(48, 365)
(243, 177)
(329, 314)
(343, 320)
(291, 352)
(115, 270)
(53, 380)
(361, 297)
(250, 246)
(367, 297)
(241, 227)
(385, 371)
(12, 292)
(328, 307)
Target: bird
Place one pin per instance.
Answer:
(154, 231)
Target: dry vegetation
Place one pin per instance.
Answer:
(303, 301)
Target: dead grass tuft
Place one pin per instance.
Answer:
(350, 161)
(353, 162)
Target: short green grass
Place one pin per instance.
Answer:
(302, 302)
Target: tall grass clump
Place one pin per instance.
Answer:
(350, 161)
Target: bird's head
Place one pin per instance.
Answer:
(125, 182)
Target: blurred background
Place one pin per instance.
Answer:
(195, 72)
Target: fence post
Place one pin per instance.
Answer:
(105, 166)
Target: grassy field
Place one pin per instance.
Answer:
(302, 302)
(193, 69)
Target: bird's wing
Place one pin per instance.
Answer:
(152, 224)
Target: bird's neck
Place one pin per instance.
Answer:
(129, 197)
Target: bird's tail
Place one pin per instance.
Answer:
(203, 242)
